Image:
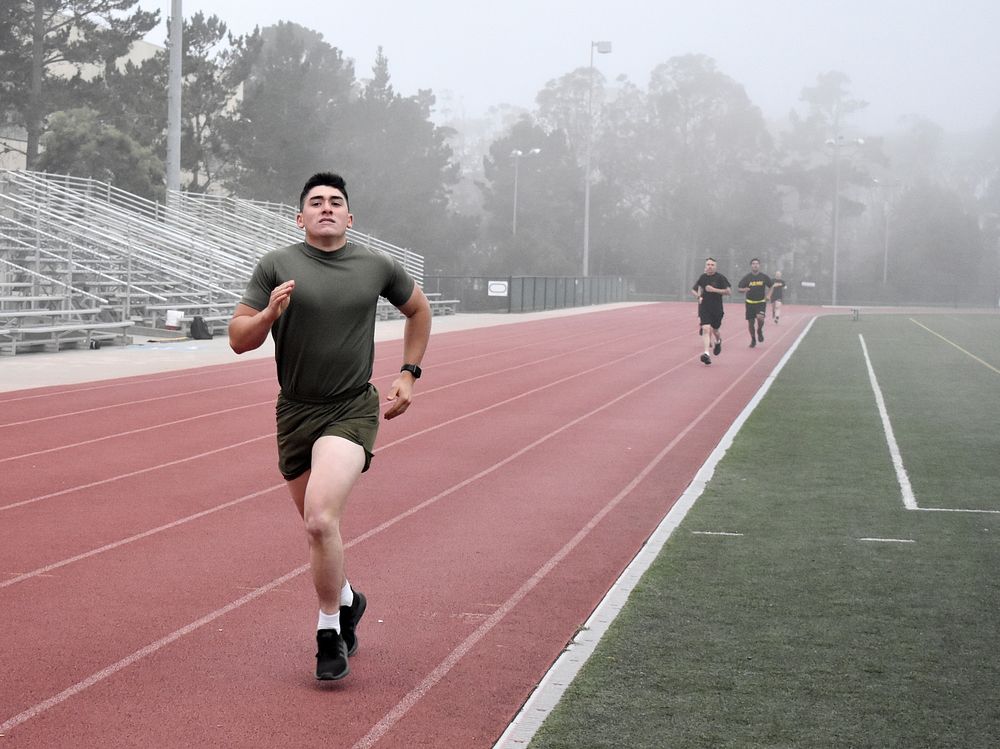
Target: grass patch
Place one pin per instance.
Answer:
(797, 633)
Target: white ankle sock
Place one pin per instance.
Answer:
(346, 594)
(329, 621)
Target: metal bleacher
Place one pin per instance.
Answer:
(82, 262)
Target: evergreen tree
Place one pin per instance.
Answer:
(88, 36)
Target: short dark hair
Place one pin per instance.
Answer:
(324, 179)
(712, 259)
(755, 258)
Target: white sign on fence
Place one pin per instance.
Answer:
(497, 288)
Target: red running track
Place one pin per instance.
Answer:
(152, 568)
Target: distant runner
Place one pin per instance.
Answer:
(757, 287)
(710, 288)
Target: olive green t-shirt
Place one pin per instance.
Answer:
(325, 341)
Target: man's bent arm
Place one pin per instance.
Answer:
(416, 334)
(417, 329)
(248, 328)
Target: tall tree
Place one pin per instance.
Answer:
(709, 154)
(290, 120)
(88, 36)
(78, 143)
(937, 254)
(819, 143)
(549, 199)
(213, 73)
(400, 167)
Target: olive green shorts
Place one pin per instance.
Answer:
(353, 416)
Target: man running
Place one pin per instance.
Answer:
(777, 295)
(317, 299)
(757, 287)
(710, 288)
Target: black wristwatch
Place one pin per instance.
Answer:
(413, 369)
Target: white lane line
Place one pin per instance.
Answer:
(890, 540)
(138, 472)
(909, 500)
(952, 343)
(41, 571)
(714, 533)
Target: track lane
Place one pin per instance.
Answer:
(411, 565)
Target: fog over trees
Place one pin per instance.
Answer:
(683, 164)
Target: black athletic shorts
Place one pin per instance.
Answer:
(755, 308)
(353, 416)
(711, 317)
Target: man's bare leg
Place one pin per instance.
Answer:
(320, 495)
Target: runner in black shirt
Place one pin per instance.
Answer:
(710, 287)
(757, 287)
(777, 296)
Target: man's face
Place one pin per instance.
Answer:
(324, 214)
(709, 267)
(755, 266)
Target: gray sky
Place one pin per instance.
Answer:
(935, 58)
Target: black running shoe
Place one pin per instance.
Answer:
(705, 359)
(718, 348)
(331, 656)
(349, 618)
(753, 342)
(760, 335)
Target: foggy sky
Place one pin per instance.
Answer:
(934, 58)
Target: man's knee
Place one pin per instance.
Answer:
(321, 525)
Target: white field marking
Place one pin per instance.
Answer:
(952, 343)
(714, 533)
(909, 499)
(132, 473)
(136, 431)
(138, 536)
(555, 682)
(152, 648)
(890, 540)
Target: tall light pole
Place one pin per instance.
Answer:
(516, 154)
(174, 99)
(602, 48)
(837, 143)
(888, 189)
